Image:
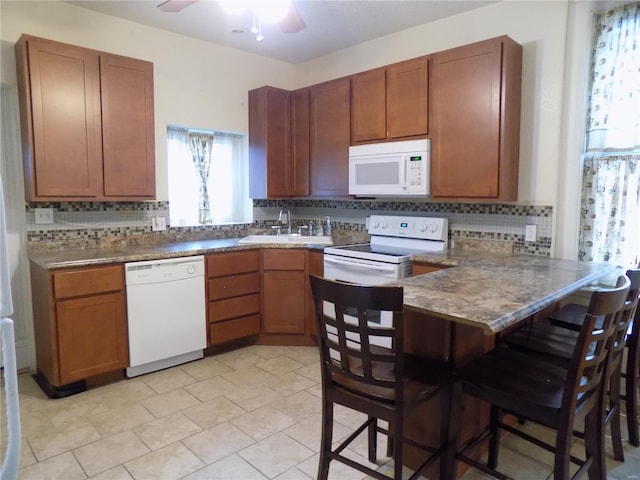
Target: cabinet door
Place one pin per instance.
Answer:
(298, 171)
(407, 98)
(330, 137)
(60, 103)
(316, 266)
(368, 106)
(128, 127)
(476, 121)
(283, 301)
(92, 336)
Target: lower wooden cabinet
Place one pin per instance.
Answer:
(233, 296)
(283, 291)
(315, 266)
(80, 323)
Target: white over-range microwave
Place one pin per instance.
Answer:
(389, 169)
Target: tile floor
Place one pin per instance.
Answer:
(249, 414)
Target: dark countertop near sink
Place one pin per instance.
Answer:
(486, 290)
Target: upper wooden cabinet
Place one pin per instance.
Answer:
(87, 123)
(278, 142)
(391, 102)
(475, 101)
(330, 137)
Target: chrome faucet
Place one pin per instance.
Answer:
(288, 214)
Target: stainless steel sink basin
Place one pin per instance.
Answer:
(289, 239)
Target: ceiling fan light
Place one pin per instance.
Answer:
(234, 7)
(272, 11)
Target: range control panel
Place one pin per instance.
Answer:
(426, 228)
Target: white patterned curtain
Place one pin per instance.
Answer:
(201, 145)
(610, 217)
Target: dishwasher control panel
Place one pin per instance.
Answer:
(164, 270)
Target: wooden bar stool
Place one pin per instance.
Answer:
(384, 383)
(544, 392)
(557, 343)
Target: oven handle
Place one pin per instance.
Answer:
(356, 266)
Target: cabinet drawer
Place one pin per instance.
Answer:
(222, 332)
(233, 286)
(222, 264)
(234, 307)
(283, 260)
(88, 281)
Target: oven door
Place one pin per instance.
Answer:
(362, 272)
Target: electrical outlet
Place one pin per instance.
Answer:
(44, 216)
(159, 224)
(530, 234)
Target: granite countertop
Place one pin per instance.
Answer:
(83, 257)
(488, 289)
(492, 291)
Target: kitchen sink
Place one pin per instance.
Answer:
(289, 239)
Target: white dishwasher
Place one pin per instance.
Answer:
(166, 313)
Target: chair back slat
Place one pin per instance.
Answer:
(347, 318)
(589, 360)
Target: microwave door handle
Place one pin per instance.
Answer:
(405, 161)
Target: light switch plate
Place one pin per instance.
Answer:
(44, 216)
(530, 234)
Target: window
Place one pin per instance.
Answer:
(208, 177)
(610, 216)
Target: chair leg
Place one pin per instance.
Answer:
(372, 431)
(614, 405)
(448, 462)
(594, 443)
(632, 383)
(494, 439)
(398, 446)
(326, 439)
(562, 458)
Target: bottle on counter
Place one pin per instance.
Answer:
(319, 230)
(327, 227)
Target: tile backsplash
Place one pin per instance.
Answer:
(95, 224)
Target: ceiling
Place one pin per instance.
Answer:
(330, 25)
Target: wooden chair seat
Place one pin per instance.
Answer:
(384, 383)
(547, 392)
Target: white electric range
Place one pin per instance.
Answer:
(394, 239)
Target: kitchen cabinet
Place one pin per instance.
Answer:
(315, 265)
(87, 122)
(80, 325)
(278, 142)
(419, 268)
(391, 102)
(233, 296)
(330, 134)
(475, 133)
(284, 290)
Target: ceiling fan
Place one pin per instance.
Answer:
(291, 22)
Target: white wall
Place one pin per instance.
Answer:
(197, 84)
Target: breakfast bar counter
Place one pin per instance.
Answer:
(493, 292)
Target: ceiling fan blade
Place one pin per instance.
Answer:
(175, 5)
(292, 22)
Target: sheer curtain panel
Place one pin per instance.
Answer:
(610, 217)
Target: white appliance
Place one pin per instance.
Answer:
(9, 470)
(390, 169)
(166, 313)
(394, 239)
